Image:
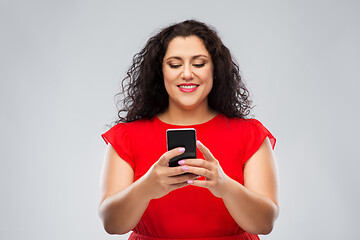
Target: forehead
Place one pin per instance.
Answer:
(186, 47)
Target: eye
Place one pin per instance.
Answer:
(199, 65)
(174, 65)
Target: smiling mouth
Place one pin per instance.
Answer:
(187, 88)
(192, 86)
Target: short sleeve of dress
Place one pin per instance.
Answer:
(119, 139)
(255, 136)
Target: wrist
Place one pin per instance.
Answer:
(228, 187)
(143, 190)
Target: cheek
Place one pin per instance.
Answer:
(208, 78)
(209, 83)
(207, 74)
(166, 78)
(169, 76)
(168, 81)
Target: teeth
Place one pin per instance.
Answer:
(188, 86)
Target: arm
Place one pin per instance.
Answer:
(124, 201)
(253, 206)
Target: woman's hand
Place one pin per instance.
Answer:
(215, 178)
(161, 179)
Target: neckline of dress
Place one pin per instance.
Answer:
(218, 115)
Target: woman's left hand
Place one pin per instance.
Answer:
(215, 178)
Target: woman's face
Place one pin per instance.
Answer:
(188, 72)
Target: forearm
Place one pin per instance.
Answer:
(122, 211)
(253, 212)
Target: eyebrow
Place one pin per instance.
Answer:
(194, 57)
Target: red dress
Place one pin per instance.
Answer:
(189, 212)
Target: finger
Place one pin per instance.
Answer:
(177, 186)
(199, 183)
(205, 151)
(173, 171)
(197, 163)
(198, 171)
(181, 178)
(164, 159)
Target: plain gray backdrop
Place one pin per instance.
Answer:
(61, 63)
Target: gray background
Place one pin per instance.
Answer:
(61, 63)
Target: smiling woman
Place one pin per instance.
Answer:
(185, 78)
(144, 94)
(188, 78)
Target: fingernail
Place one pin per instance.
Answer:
(184, 167)
(190, 181)
(181, 162)
(198, 142)
(182, 150)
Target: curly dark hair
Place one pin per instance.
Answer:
(143, 92)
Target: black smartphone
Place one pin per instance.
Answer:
(181, 137)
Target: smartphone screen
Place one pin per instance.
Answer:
(182, 137)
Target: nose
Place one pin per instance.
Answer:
(187, 74)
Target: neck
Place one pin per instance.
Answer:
(179, 116)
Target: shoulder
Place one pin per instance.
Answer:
(251, 123)
(248, 128)
(242, 123)
(137, 126)
(134, 124)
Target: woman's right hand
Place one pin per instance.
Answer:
(161, 179)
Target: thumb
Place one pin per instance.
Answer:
(164, 159)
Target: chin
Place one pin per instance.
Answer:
(189, 106)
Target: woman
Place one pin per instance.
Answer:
(185, 77)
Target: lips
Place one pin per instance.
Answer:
(188, 87)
